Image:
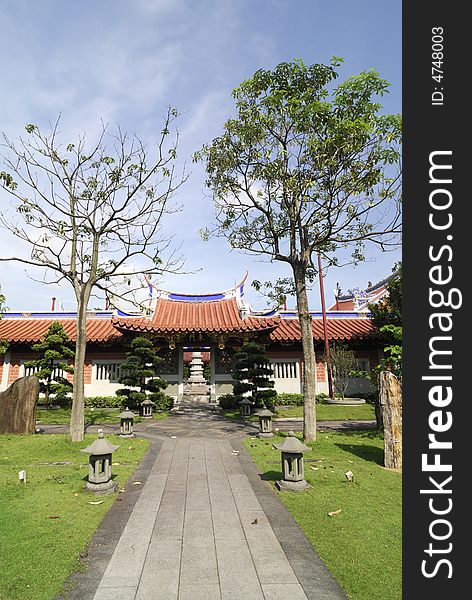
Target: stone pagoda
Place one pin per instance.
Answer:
(197, 387)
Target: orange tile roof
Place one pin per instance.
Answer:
(219, 316)
(347, 304)
(24, 330)
(178, 317)
(338, 329)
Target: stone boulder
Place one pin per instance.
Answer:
(18, 406)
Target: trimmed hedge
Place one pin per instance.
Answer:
(103, 402)
(285, 399)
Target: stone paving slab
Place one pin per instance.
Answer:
(205, 526)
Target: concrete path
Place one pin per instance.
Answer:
(204, 526)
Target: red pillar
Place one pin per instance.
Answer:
(325, 329)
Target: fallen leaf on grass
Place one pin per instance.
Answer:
(76, 494)
(121, 490)
(333, 513)
(116, 464)
(98, 502)
(349, 475)
(53, 517)
(314, 468)
(130, 448)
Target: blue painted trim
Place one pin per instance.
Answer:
(120, 313)
(202, 298)
(270, 313)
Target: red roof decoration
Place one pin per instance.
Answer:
(171, 316)
(175, 313)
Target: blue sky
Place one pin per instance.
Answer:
(126, 61)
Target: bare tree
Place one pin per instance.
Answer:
(92, 216)
(306, 168)
(343, 363)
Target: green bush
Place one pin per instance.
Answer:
(229, 401)
(103, 402)
(162, 402)
(286, 399)
(60, 400)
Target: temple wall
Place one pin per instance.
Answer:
(101, 370)
(223, 387)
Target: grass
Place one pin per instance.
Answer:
(45, 524)
(362, 544)
(96, 416)
(332, 412)
(324, 412)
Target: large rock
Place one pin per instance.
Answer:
(18, 406)
(390, 400)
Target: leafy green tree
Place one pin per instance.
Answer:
(54, 351)
(252, 371)
(387, 317)
(91, 214)
(388, 311)
(140, 371)
(343, 365)
(306, 167)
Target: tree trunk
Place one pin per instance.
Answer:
(390, 399)
(309, 374)
(77, 415)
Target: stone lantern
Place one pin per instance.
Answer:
(146, 408)
(245, 407)
(265, 424)
(126, 423)
(292, 464)
(100, 461)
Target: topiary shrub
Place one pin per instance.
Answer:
(251, 372)
(140, 370)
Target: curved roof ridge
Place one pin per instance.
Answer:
(236, 291)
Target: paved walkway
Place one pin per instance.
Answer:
(205, 527)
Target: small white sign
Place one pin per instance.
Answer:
(22, 476)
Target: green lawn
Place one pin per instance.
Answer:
(324, 412)
(332, 412)
(46, 523)
(362, 544)
(96, 416)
